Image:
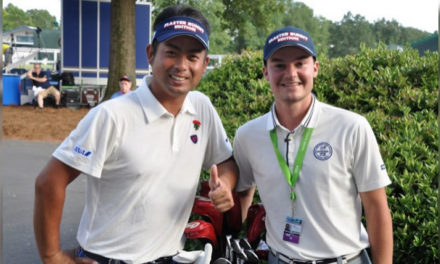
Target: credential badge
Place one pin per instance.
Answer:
(323, 151)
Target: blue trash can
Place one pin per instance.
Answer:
(11, 90)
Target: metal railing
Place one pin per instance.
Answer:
(27, 55)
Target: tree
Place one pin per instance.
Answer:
(299, 15)
(42, 19)
(388, 32)
(411, 34)
(240, 16)
(14, 17)
(220, 41)
(238, 25)
(122, 44)
(347, 35)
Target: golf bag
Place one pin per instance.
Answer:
(223, 230)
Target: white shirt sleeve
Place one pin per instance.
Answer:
(368, 167)
(246, 179)
(90, 143)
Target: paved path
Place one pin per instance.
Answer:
(20, 163)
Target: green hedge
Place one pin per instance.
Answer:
(397, 92)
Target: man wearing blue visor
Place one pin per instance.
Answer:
(142, 156)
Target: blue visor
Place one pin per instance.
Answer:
(179, 25)
(288, 36)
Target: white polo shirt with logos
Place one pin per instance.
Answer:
(342, 159)
(143, 167)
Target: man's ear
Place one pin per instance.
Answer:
(265, 73)
(150, 53)
(205, 63)
(315, 69)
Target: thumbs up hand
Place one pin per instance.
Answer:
(220, 193)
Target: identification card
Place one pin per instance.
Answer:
(293, 229)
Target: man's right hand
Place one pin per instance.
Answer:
(29, 74)
(68, 257)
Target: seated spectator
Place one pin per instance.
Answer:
(41, 86)
(124, 86)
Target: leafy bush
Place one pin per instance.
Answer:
(397, 92)
(238, 89)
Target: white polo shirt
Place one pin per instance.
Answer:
(143, 167)
(342, 159)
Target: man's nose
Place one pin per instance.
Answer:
(181, 63)
(291, 70)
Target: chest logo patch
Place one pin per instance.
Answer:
(194, 138)
(323, 151)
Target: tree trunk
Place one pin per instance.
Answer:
(122, 44)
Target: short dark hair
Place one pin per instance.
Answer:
(180, 10)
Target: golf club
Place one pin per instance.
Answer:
(239, 255)
(221, 261)
(251, 256)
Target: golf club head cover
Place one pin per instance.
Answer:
(204, 207)
(199, 229)
(194, 256)
(255, 222)
(204, 189)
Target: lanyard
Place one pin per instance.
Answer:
(292, 176)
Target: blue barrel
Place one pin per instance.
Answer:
(11, 90)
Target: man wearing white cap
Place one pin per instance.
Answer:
(314, 165)
(142, 155)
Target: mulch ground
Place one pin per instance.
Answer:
(48, 124)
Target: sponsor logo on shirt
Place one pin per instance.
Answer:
(323, 151)
(194, 138)
(382, 167)
(82, 151)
